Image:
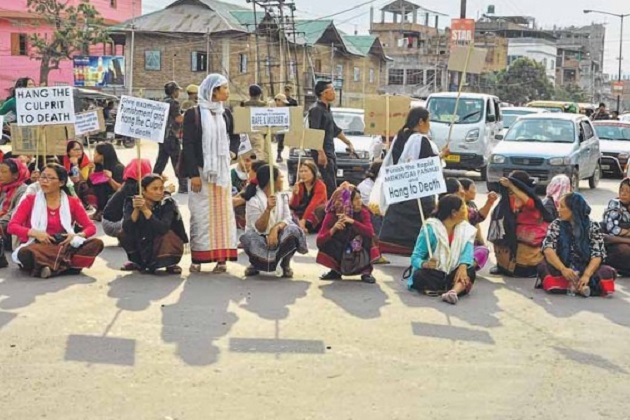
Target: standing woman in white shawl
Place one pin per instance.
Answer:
(206, 162)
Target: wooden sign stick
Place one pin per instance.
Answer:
(459, 93)
(272, 185)
(424, 226)
(387, 128)
(139, 157)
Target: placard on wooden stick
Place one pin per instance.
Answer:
(459, 54)
(376, 114)
(243, 120)
(90, 122)
(24, 139)
(313, 139)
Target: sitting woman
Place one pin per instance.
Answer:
(518, 226)
(574, 250)
(448, 268)
(13, 177)
(153, 230)
(308, 201)
(271, 237)
(106, 179)
(79, 168)
(616, 226)
(476, 215)
(345, 240)
(114, 210)
(45, 224)
(240, 173)
(248, 191)
(559, 186)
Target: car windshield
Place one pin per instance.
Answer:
(350, 122)
(543, 130)
(469, 111)
(510, 116)
(610, 132)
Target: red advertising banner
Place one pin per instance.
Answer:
(462, 32)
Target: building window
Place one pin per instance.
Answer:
(242, 63)
(198, 61)
(153, 60)
(292, 70)
(396, 77)
(19, 44)
(414, 77)
(357, 74)
(371, 75)
(113, 3)
(430, 77)
(339, 72)
(318, 65)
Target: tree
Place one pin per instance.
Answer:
(525, 80)
(571, 93)
(74, 30)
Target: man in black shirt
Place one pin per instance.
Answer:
(320, 118)
(171, 147)
(288, 92)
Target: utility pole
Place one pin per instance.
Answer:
(208, 52)
(462, 10)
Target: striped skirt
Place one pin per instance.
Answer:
(291, 240)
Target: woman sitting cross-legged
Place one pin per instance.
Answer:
(556, 189)
(309, 198)
(450, 272)
(574, 250)
(13, 177)
(45, 224)
(616, 225)
(346, 238)
(106, 179)
(271, 237)
(153, 230)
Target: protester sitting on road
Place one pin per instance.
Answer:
(366, 186)
(79, 168)
(402, 221)
(574, 249)
(271, 237)
(45, 225)
(114, 210)
(346, 238)
(308, 201)
(249, 190)
(106, 179)
(13, 177)
(559, 186)
(448, 270)
(8, 108)
(240, 173)
(153, 233)
(518, 226)
(616, 225)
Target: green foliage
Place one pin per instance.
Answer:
(74, 30)
(571, 93)
(524, 81)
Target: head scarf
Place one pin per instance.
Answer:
(576, 232)
(131, 170)
(340, 201)
(7, 191)
(558, 186)
(214, 136)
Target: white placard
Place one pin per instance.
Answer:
(270, 117)
(86, 122)
(413, 180)
(44, 106)
(141, 118)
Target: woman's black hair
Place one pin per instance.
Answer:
(22, 82)
(257, 165)
(523, 177)
(466, 183)
(10, 163)
(415, 116)
(311, 167)
(353, 193)
(264, 177)
(374, 169)
(148, 179)
(626, 182)
(62, 174)
(110, 157)
(452, 186)
(448, 205)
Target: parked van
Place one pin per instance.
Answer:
(477, 124)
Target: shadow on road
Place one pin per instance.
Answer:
(135, 291)
(359, 299)
(18, 289)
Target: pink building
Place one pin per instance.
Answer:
(16, 24)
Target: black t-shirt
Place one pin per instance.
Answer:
(172, 126)
(320, 118)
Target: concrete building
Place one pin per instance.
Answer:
(191, 38)
(17, 25)
(411, 37)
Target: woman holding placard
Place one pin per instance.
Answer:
(45, 224)
(402, 221)
(309, 197)
(106, 179)
(79, 168)
(206, 162)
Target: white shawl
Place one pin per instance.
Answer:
(214, 136)
(448, 255)
(39, 221)
(256, 206)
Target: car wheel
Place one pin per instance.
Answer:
(484, 173)
(575, 180)
(593, 181)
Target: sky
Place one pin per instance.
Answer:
(546, 12)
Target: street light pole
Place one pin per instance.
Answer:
(622, 17)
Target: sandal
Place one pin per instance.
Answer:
(195, 268)
(174, 269)
(220, 268)
(129, 266)
(450, 297)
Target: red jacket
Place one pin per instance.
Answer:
(20, 223)
(319, 197)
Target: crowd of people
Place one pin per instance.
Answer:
(49, 206)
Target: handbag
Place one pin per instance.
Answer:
(98, 178)
(354, 260)
(430, 282)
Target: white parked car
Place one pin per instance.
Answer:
(614, 143)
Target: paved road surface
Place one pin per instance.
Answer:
(114, 345)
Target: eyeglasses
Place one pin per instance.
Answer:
(47, 178)
(77, 149)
